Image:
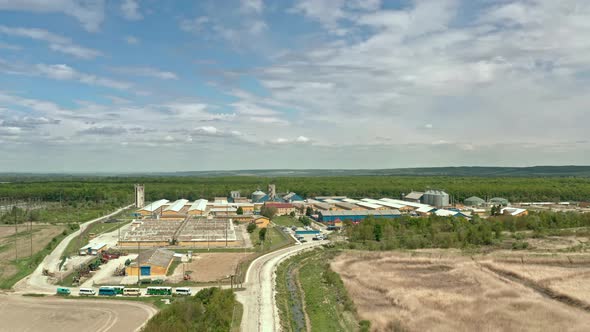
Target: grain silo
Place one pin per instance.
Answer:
(437, 198)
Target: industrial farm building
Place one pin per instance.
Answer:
(331, 216)
(190, 232)
(152, 262)
(474, 201)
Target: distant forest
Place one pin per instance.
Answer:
(119, 190)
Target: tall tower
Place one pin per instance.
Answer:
(272, 192)
(139, 196)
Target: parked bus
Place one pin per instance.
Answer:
(183, 291)
(131, 292)
(63, 291)
(86, 292)
(118, 289)
(107, 291)
(159, 291)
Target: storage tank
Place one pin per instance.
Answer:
(437, 198)
(257, 195)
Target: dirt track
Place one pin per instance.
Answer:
(396, 290)
(18, 313)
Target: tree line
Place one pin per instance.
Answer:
(443, 232)
(119, 190)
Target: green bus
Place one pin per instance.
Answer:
(107, 291)
(159, 291)
(63, 291)
(118, 289)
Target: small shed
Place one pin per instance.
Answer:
(93, 249)
(474, 201)
(152, 262)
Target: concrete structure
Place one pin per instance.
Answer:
(151, 233)
(355, 216)
(261, 221)
(282, 208)
(437, 198)
(139, 196)
(154, 208)
(93, 249)
(515, 212)
(234, 194)
(223, 211)
(474, 201)
(272, 192)
(153, 262)
(203, 232)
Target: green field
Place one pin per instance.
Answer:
(286, 221)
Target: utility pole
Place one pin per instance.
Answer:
(138, 265)
(15, 234)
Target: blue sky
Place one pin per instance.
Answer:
(147, 85)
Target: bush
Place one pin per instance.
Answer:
(251, 227)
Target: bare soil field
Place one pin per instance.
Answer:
(42, 235)
(19, 313)
(210, 267)
(446, 291)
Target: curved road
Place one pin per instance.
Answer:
(260, 311)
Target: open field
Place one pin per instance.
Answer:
(42, 235)
(54, 314)
(210, 267)
(447, 292)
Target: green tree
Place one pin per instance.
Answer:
(378, 232)
(308, 211)
(292, 214)
(268, 211)
(262, 234)
(251, 227)
(240, 211)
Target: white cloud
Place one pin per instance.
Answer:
(55, 42)
(90, 13)
(194, 25)
(147, 72)
(10, 47)
(131, 40)
(130, 9)
(252, 5)
(207, 130)
(65, 72)
(302, 139)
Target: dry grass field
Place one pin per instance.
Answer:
(450, 292)
(210, 267)
(42, 235)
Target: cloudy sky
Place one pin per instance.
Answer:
(149, 85)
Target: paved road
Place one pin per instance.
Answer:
(18, 313)
(37, 282)
(260, 312)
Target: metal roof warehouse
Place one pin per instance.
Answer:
(329, 216)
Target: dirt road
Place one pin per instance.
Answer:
(260, 313)
(38, 283)
(18, 313)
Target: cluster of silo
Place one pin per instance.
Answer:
(437, 198)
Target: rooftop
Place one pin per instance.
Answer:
(361, 213)
(157, 257)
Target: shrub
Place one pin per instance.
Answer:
(251, 227)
